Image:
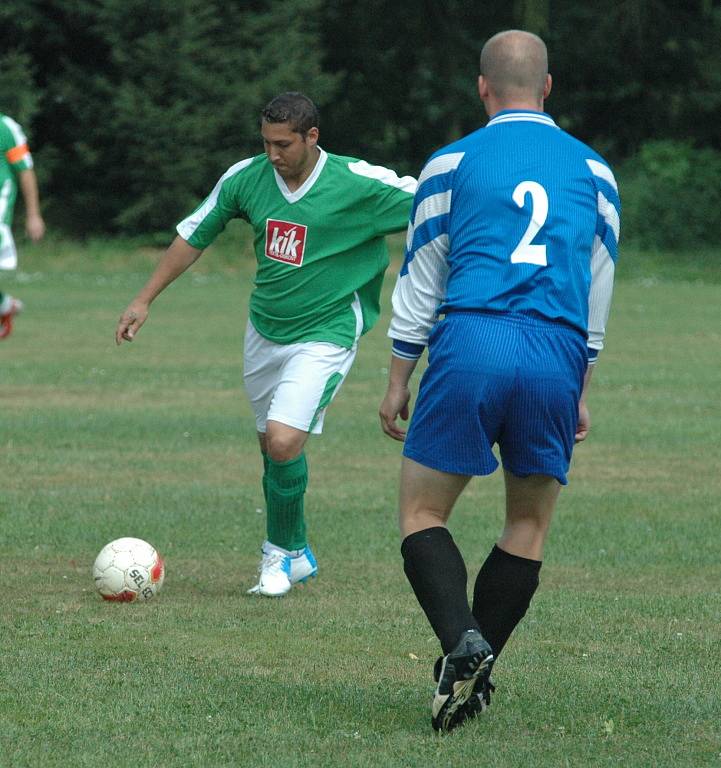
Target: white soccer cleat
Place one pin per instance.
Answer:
(274, 571)
(303, 566)
(277, 577)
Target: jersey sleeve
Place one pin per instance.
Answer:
(421, 284)
(209, 219)
(603, 256)
(392, 194)
(14, 145)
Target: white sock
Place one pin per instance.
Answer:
(268, 545)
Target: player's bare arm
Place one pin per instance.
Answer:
(34, 224)
(179, 256)
(395, 403)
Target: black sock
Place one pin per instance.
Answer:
(435, 568)
(503, 591)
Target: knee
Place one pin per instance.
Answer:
(418, 517)
(525, 536)
(535, 524)
(281, 447)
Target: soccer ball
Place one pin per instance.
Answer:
(128, 569)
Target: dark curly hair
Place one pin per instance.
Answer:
(294, 108)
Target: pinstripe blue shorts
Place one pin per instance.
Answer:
(510, 380)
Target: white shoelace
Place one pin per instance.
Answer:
(272, 561)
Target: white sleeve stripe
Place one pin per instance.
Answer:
(410, 234)
(438, 247)
(187, 226)
(441, 164)
(16, 130)
(435, 167)
(602, 171)
(610, 214)
(431, 206)
(418, 292)
(5, 191)
(599, 297)
(404, 355)
(384, 175)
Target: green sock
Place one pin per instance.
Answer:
(285, 484)
(264, 479)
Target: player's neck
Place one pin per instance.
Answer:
(493, 107)
(296, 181)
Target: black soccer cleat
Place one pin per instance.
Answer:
(481, 699)
(461, 671)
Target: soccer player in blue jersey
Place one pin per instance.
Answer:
(507, 280)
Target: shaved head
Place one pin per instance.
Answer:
(515, 65)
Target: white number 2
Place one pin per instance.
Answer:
(525, 252)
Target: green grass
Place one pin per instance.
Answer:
(616, 663)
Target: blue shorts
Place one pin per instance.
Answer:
(513, 380)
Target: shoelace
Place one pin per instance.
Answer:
(272, 560)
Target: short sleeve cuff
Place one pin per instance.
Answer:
(406, 350)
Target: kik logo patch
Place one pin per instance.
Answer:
(285, 241)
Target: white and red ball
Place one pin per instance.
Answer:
(128, 569)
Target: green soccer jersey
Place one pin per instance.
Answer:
(320, 250)
(14, 156)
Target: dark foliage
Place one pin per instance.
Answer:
(134, 109)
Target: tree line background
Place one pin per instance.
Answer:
(135, 108)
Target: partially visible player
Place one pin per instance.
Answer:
(319, 222)
(507, 279)
(16, 168)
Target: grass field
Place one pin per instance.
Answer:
(617, 662)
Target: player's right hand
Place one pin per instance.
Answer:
(584, 422)
(394, 404)
(131, 321)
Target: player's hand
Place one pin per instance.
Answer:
(584, 422)
(35, 227)
(394, 404)
(131, 321)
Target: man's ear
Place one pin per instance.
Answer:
(482, 87)
(547, 87)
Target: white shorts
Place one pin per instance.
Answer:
(293, 383)
(8, 254)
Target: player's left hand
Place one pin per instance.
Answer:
(394, 404)
(584, 422)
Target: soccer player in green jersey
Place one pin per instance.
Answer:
(319, 222)
(16, 168)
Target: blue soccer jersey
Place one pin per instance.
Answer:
(518, 217)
